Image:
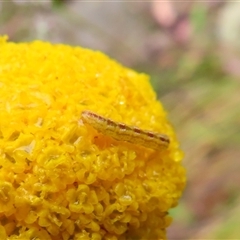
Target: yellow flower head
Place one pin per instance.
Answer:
(60, 178)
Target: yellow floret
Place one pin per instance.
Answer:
(60, 178)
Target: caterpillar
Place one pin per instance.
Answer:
(122, 132)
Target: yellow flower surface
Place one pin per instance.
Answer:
(59, 177)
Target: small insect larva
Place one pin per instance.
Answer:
(123, 132)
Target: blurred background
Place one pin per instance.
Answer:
(191, 50)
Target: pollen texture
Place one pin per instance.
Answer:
(59, 177)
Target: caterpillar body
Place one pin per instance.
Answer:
(122, 132)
